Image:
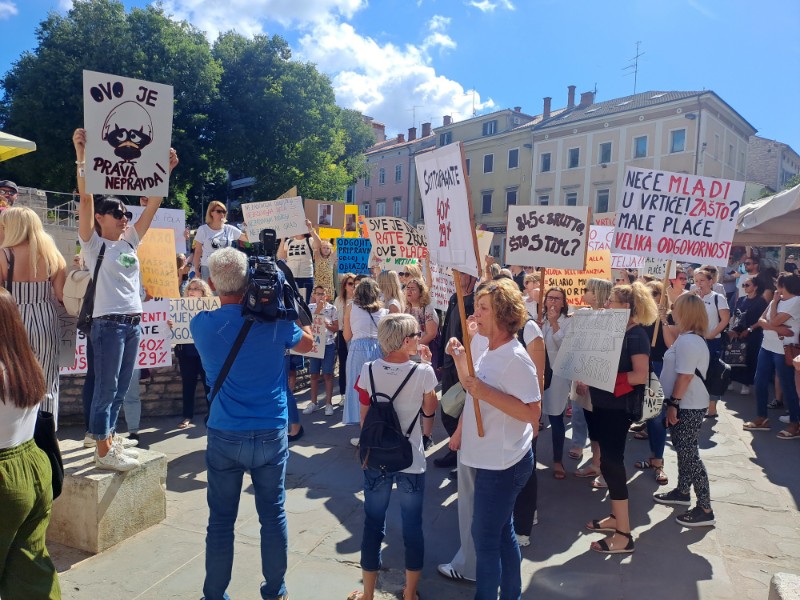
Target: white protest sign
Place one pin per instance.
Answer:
(166, 218)
(285, 215)
(319, 336)
(601, 237)
(79, 359)
(591, 348)
(395, 243)
(442, 286)
(658, 268)
(128, 126)
(445, 201)
(485, 239)
(182, 311)
(67, 331)
(547, 236)
(676, 215)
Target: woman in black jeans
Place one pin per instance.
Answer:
(347, 283)
(189, 359)
(746, 313)
(611, 417)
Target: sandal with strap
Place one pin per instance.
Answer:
(604, 547)
(596, 526)
(661, 476)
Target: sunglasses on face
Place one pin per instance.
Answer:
(219, 210)
(747, 285)
(404, 274)
(118, 213)
(417, 335)
(8, 193)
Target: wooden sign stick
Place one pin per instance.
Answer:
(470, 365)
(542, 293)
(663, 302)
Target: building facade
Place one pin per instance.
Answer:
(770, 163)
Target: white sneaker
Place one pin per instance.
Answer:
(448, 571)
(523, 540)
(536, 517)
(328, 410)
(745, 390)
(88, 441)
(354, 442)
(119, 443)
(126, 441)
(115, 461)
(784, 419)
(312, 406)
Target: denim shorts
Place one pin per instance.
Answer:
(326, 363)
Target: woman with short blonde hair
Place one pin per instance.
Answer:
(215, 234)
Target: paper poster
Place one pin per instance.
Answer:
(159, 267)
(128, 126)
(166, 218)
(329, 234)
(605, 219)
(443, 186)
(395, 243)
(67, 330)
(485, 239)
(675, 215)
(442, 286)
(353, 255)
(598, 266)
(350, 220)
(324, 214)
(318, 335)
(182, 311)
(547, 236)
(363, 230)
(658, 268)
(79, 360)
(591, 348)
(601, 237)
(284, 215)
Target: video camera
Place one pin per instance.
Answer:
(272, 293)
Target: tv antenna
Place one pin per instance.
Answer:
(472, 91)
(413, 110)
(635, 65)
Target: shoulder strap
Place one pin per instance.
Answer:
(308, 243)
(716, 304)
(397, 391)
(97, 264)
(10, 259)
(237, 345)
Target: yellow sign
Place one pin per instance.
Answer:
(159, 268)
(329, 233)
(351, 221)
(598, 265)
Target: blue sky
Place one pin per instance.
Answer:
(405, 62)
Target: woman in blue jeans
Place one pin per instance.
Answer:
(506, 383)
(108, 240)
(415, 388)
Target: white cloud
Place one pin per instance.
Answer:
(489, 6)
(8, 9)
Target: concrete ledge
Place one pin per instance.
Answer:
(98, 509)
(784, 586)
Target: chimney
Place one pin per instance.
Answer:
(571, 96)
(412, 134)
(546, 109)
(447, 120)
(401, 138)
(517, 109)
(426, 129)
(587, 99)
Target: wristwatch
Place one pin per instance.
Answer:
(674, 402)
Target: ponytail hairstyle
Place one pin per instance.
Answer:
(21, 376)
(639, 299)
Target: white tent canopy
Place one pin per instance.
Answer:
(771, 221)
(11, 146)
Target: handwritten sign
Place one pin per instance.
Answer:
(590, 350)
(182, 311)
(67, 330)
(166, 218)
(445, 201)
(353, 255)
(395, 243)
(442, 286)
(675, 215)
(547, 236)
(658, 268)
(598, 265)
(157, 260)
(79, 360)
(284, 215)
(601, 237)
(128, 135)
(318, 335)
(606, 219)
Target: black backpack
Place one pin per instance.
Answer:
(718, 376)
(383, 445)
(548, 370)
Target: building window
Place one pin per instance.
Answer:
(396, 206)
(496, 250)
(488, 163)
(545, 162)
(349, 195)
(490, 127)
(544, 200)
(513, 158)
(511, 198)
(380, 208)
(366, 180)
(365, 209)
(486, 203)
(602, 201)
(573, 158)
(640, 146)
(381, 176)
(445, 138)
(729, 157)
(571, 199)
(677, 141)
(398, 173)
(605, 153)
(741, 161)
(716, 146)
(468, 163)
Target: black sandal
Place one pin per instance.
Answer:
(604, 548)
(595, 526)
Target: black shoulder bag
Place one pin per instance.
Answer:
(237, 345)
(87, 307)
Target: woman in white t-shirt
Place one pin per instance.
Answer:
(398, 336)
(505, 387)
(719, 314)
(115, 330)
(391, 292)
(781, 325)
(212, 236)
(532, 286)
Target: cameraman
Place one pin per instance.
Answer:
(246, 425)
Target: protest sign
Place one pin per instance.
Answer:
(442, 286)
(328, 233)
(67, 330)
(318, 335)
(448, 210)
(79, 360)
(324, 214)
(284, 215)
(676, 215)
(601, 237)
(547, 236)
(166, 218)
(350, 220)
(658, 268)
(591, 347)
(353, 255)
(363, 230)
(485, 239)
(605, 219)
(598, 265)
(182, 311)
(395, 243)
(128, 126)
(157, 260)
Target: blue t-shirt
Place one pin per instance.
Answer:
(253, 395)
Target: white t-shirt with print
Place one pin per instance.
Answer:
(299, 258)
(689, 352)
(118, 286)
(506, 439)
(388, 377)
(712, 310)
(772, 342)
(329, 312)
(214, 239)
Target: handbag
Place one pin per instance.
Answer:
(87, 303)
(453, 400)
(653, 398)
(44, 435)
(735, 353)
(790, 352)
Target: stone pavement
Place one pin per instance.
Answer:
(755, 490)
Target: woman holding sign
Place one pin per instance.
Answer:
(108, 241)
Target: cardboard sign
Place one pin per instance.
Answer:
(395, 243)
(363, 230)
(605, 219)
(591, 348)
(675, 215)
(442, 286)
(658, 268)
(284, 215)
(325, 214)
(67, 331)
(598, 265)
(353, 255)
(328, 233)
(443, 185)
(80, 361)
(318, 334)
(128, 126)
(350, 220)
(485, 239)
(166, 218)
(547, 236)
(182, 311)
(159, 268)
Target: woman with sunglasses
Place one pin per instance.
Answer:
(212, 236)
(115, 330)
(749, 308)
(347, 285)
(189, 359)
